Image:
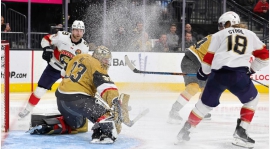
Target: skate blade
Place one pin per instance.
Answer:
(181, 141)
(206, 119)
(174, 121)
(105, 141)
(241, 143)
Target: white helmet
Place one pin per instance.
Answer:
(228, 16)
(77, 24)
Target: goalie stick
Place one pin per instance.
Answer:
(140, 115)
(124, 98)
(152, 72)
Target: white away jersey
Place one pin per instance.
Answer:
(235, 47)
(64, 49)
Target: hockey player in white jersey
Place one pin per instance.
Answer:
(58, 50)
(227, 66)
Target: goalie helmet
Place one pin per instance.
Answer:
(230, 16)
(77, 24)
(103, 54)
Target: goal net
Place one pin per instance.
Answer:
(4, 86)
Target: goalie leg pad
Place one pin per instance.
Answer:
(124, 98)
(38, 119)
(82, 129)
(51, 125)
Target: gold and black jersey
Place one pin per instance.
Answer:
(85, 75)
(200, 48)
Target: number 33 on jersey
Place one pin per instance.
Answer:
(85, 75)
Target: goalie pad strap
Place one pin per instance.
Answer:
(101, 118)
(65, 127)
(54, 122)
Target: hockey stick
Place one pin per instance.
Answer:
(125, 109)
(139, 116)
(260, 83)
(124, 98)
(152, 72)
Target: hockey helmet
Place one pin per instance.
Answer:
(77, 24)
(228, 16)
(103, 54)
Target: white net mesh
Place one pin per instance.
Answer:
(2, 88)
(4, 96)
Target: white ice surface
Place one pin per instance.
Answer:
(150, 132)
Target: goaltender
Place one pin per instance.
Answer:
(85, 75)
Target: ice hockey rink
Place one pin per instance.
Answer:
(151, 132)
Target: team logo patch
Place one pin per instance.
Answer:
(78, 51)
(65, 56)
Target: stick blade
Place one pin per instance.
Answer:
(129, 63)
(139, 116)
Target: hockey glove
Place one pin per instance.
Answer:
(201, 76)
(47, 53)
(250, 72)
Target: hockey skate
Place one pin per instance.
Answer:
(39, 129)
(241, 137)
(183, 135)
(24, 113)
(174, 117)
(26, 110)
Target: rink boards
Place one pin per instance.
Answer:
(26, 68)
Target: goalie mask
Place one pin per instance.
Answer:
(77, 24)
(230, 16)
(103, 54)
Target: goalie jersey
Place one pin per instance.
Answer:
(235, 47)
(64, 48)
(85, 75)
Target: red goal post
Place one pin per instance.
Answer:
(5, 85)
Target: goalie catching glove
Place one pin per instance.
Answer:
(47, 53)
